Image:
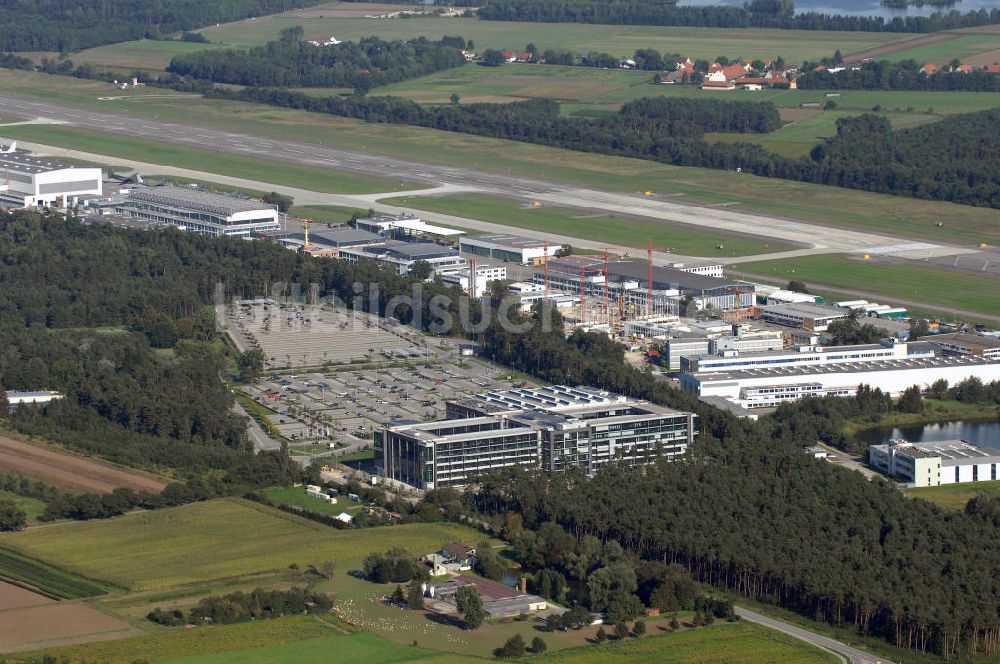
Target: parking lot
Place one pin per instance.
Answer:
(302, 335)
(336, 412)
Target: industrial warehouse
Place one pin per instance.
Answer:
(762, 380)
(35, 181)
(935, 464)
(551, 428)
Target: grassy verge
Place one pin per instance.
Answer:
(173, 644)
(260, 414)
(574, 222)
(954, 496)
(844, 634)
(296, 497)
(23, 570)
(263, 170)
(937, 288)
(735, 642)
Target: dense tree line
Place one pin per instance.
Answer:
(756, 14)
(258, 604)
(69, 25)
(360, 65)
(394, 566)
(954, 159)
(905, 75)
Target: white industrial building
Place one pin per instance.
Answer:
(509, 248)
(808, 356)
(29, 181)
(16, 398)
(934, 464)
(769, 386)
(477, 286)
(199, 211)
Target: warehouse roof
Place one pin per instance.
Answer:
(23, 163)
(965, 340)
(806, 310)
(951, 452)
(418, 250)
(507, 240)
(841, 367)
(196, 199)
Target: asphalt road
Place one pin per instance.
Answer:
(845, 651)
(817, 239)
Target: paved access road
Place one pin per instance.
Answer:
(846, 652)
(819, 239)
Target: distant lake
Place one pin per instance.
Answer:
(860, 7)
(981, 433)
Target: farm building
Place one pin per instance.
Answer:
(499, 601)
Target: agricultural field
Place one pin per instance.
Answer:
(142, 55)
(47, 579)
(313, 178)
(174, 644)
(812, 203)
(70, 471)
(618, 40)
(954, 496)
(963, 46)
(934, 287)
(738, 642)
(31, 620)
(621, 230)
(211, 540)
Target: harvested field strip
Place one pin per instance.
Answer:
(69, 471)
(51, 581)
(186, 642)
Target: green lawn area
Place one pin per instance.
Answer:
(212, 540)
(807, 202)
(362, 647)
(296, 496)
(954, 496)
(143, 54)
(618, 40)
(263, 170)
(739, 642)
(622, 230)
(32, 507)
(333, 214)
(935, 287)
(943, 52)
(173, 644)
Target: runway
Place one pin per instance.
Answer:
(441, 179)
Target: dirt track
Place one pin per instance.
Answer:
(69, 471)
(876, 52)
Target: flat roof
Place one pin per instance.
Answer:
(423, 227)
(416, 250)
(973, 341)
(24, 163)
(806, 310)
(953, 451)
(196, 199)
(841, 367)
(664, 278)
(508, 240)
